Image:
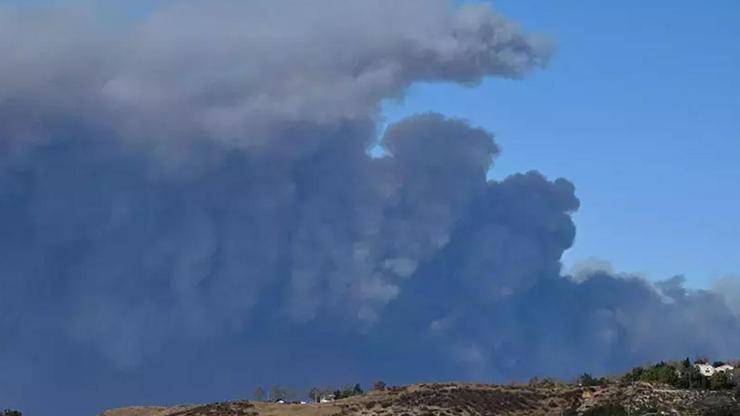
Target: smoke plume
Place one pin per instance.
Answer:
(188, 208)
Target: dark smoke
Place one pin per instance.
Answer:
(188, 208)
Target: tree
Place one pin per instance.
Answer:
(379, 385)
(720, 380)
(9, 412)
(661, 373)
(357, 390)
(277, 393)
(587, 379)
(633, 375)
(315, 394)
(259, 394)
(696, 379)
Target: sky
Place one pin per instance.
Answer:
(639, 108)
(188, 206)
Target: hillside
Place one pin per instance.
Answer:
(477, 399)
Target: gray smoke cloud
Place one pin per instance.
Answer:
(195, 184)
(235, 71)
(729, 288)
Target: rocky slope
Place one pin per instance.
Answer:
(477, 399)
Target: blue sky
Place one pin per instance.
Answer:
(640, 108)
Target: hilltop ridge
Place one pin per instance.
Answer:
(452, 399)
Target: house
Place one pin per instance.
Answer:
(707, 370)
(723, 368)
(326, 398)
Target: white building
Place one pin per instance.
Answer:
(327, 398)
(708, 370)
(723, 368)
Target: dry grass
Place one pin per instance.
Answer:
(468, 400)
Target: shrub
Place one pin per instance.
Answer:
(661, 373)
(587, 379)
(633, 375)
(721, 381)
(693, 379)
(379, 385)
(608, 410)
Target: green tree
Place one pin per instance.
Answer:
(721, 380)
(357, 390)
(9, 412)
(633, 375)
(661, 373)
(697, 380)
(587, 379)
(379, 385)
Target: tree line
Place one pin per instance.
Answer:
(314, 394)
(679, 374)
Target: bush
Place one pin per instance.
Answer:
(693, 379)
(721, 381)
(608, 410)
(684, 376)
(9, 412)
(379, 385)
(348, 392)
(661, 373)
(587, 379)
(633, 375)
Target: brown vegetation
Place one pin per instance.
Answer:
(544, 399)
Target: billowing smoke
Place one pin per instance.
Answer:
(188, 208)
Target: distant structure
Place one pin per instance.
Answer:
(708, 370)
(327, 398)
(724, 367)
